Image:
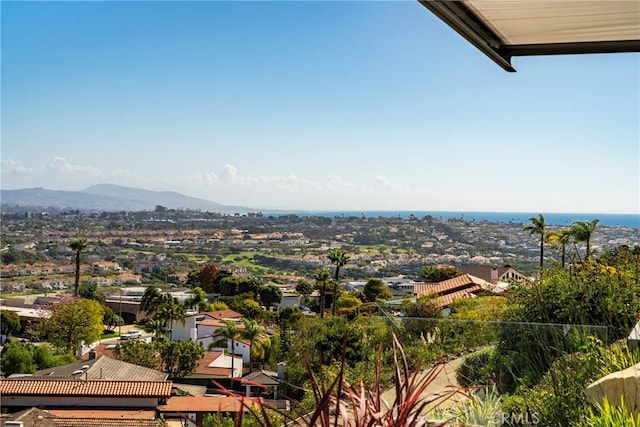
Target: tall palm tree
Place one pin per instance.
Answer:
(583, 232)
(251, 332)
(339, 258)
(150, 300)
(562, 238)
(538, 226)
(230, 333)
(169, 310)
(322, 277)
(158, 327)
(77, 245)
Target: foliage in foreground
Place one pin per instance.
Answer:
(593, 293)
(609, 415)
(338, 402)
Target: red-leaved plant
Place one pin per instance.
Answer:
(345, 405)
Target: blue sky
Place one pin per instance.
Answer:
(310, 105)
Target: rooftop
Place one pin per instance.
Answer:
(93, 388)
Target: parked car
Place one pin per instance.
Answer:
(131, 335)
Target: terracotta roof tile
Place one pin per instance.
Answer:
(93, 388)
(207, 404)
(96, 422)
(127, 414)
(453, 285)
(448, 299)
(224, 314)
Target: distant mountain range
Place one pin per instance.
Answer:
(109, 197)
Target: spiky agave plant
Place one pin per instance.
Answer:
(341, 404)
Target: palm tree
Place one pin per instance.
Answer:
(230, 333)
(158, 327)
(339, 258)
(322, 276)
(538, 226)
(583, 231)
(251, 332)
(169, 310)
(77, 245)
(562, 237)
(150, 300)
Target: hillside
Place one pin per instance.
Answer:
(109, 197)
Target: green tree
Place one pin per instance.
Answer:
(562, 238)
(376, 289)
(150, 300)
(157, 326)
(9, 322)
(193, 278)
(111, 320)
(538, 226)
(229, 286)
(338, 257)
(591, 294)
(305, 289)
(180, 358)
(170, 310)
(322, 277)
(230, 333)
(199, 299)
(139, 352)
(251, 332)
(89, 290)
(270, 295)
(72, 322)
(346, 301)
(583, 232)
(17, 358)
(78, 246)
(434, 274)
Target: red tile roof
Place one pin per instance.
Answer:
(224, 314)
(447, 291)
(126, 414)
(104, 422)
(448, 299)
(453, 285)
(215, 323)
(209, 357)
(208, 404)
(92, 388)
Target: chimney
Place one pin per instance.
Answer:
(92, 354)
(494, 275)
(282, 368)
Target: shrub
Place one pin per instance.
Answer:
(476, 369)
(559, 398)
(609, 415)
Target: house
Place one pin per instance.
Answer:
(197, 326)
(103, 368)
(259, 383)
(36, 417)
(20, 393)
(191, 409)
(217, 365)
(445, 292)
(495, 274)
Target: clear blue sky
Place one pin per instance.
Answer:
(310, 105)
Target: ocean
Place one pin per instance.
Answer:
(553, 219)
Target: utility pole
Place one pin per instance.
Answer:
(120, 323)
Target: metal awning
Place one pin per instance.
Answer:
(505, 28)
